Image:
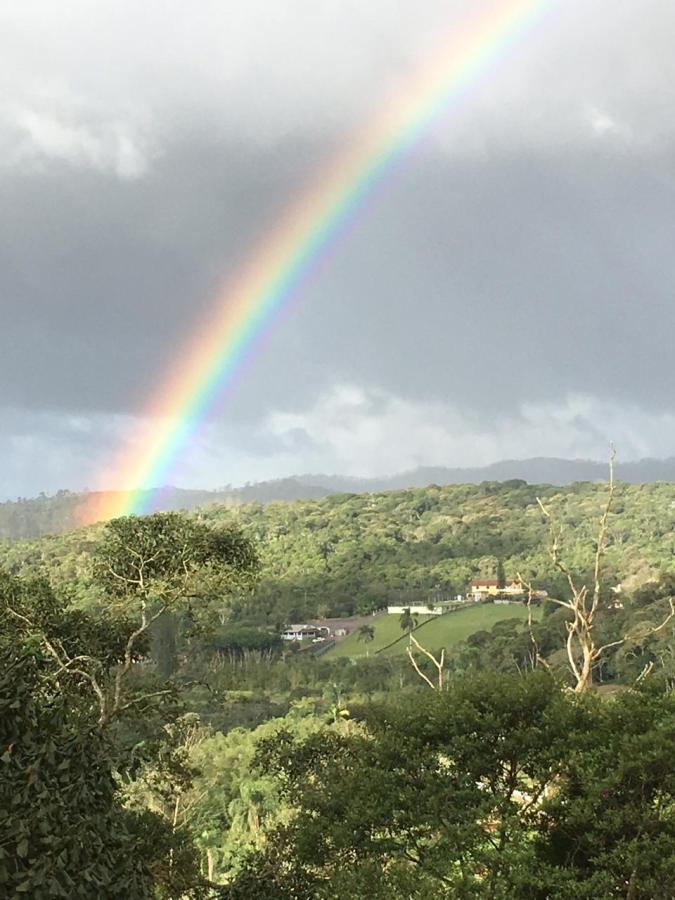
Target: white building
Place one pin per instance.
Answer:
(305, 632)
(417, 609)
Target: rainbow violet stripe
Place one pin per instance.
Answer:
(245, 311)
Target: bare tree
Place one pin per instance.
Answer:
(438, 663)
(536, 656)
(583, 653)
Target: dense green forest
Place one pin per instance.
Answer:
(24, 519)
(158, 740)
(350, 553)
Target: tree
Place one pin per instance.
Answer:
(166, 563)
(439, 797)
(337, 711)
(408, 621)
(647, 648)
(366, 633)
(73, 646)
(64, 830)
(501, 576)
(231, 804)
(583, 602)
(147, 567)
(437, 663)
(495, 789)
(165, 785)
(609, 830)
(325, 550)
(61, 832)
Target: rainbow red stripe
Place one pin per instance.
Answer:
(247, 308)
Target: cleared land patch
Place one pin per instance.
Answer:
(434, 631)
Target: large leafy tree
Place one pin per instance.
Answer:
(609, 831)
(77, 651)
(148, 568)
(492, 789)
(164, 565)
(61, 832)
(64, 831)
(167, 557)
(69, 711)
(438, 798)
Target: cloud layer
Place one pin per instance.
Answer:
(521, 260)
(349, 430)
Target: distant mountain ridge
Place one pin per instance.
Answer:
(25, 519)
(537, 470)
(30, 518)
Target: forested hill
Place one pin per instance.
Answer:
(346, 553)
(30, 518)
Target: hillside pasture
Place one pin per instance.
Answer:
(433, 632)
(387, 629)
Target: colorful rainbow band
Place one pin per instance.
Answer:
(246, 310)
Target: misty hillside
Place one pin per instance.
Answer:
(538, 470)
(351, 553)
(24, 519)
(30, 518)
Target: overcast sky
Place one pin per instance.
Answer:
(510, 293)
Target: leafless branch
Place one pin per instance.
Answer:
(438, 663)
(602, 533)
(670, 615)
(598, 652)
(645, 672)
(142, 699)
(123, 670)
(582, 652)
(538, 658)
(418, 670)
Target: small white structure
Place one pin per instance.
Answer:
(417, 609)
(305, 632)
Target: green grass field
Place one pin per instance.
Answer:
(387, 629)
(435, 631)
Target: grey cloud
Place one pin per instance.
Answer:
(265, 71)
(347, 429)
(372, 432)
(522, 256)
(483, 282)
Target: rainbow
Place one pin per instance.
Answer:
(245, 311)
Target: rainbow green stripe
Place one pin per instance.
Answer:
(246, 310)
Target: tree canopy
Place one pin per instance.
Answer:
(492, 789)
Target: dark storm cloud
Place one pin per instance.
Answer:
(516, 281)
(522, 256)
(103, 280)
(479, 282)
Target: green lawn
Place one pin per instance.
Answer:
(435, 631)
(387, 629)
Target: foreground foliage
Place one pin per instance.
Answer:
(154, 743)
(492, 790)
(79, 718)
(61, 832)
